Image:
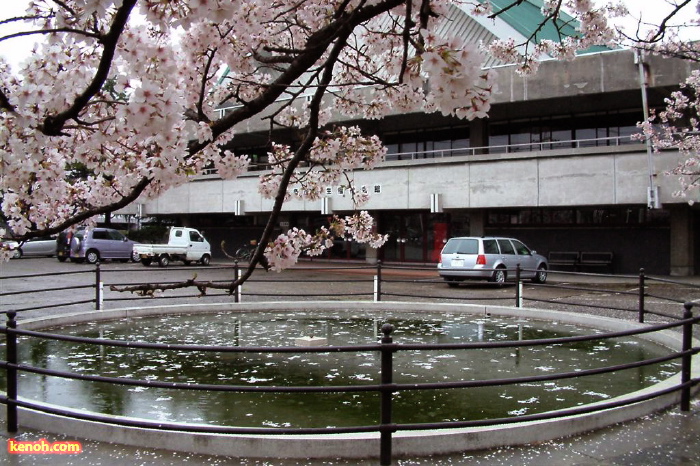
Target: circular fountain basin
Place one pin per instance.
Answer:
(280, 324)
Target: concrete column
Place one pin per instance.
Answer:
(682, 240)
(479, 133)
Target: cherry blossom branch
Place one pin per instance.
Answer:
(316, 46)
(150, 289)
(53, 124)
(301, 153)
(201, 116)
(664, 24)
(86, 214)
(80, 32)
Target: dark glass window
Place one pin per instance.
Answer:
(115, 235)
(521, 249)
(461, 246)
(506, 247)
(490, 246)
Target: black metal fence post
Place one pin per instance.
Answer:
(687, 358)
(236, 292)
(378, 286)
(518, 286)
(642, 293)
(387, 379)
(98, 288)
(11, 372)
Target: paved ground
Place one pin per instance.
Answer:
(668, 438)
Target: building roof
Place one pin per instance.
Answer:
(526, 18)
(522, 22)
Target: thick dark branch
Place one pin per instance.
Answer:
(201, 116)
(406, 35)
(108, 208)
(53, 124)
(663, 25)
(495, 14)
(50, 31)
(301, 153)
(150, 289)
(5, 102)
(552, 16)
(287, 55)
(64, 6)
(22, 19)
(316, 45)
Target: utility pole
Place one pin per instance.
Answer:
(653, 201)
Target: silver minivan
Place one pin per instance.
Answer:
(489, 258)
(94, 244)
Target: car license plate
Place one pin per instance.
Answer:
(457, 263)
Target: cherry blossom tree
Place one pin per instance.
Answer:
(128, 91)
(677, 126)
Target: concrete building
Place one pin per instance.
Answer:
(554, 165)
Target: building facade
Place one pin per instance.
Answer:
(554, 164)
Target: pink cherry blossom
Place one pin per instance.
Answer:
(121, 98)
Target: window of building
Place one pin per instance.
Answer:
(581, 216)
(595, 129)
(425, 143)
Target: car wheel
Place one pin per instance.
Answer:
(163, 260)
(62, 259)
(92, 256)
(17, 254)
(499, 276)
(205, 260)
(135, 257)
(541, 275)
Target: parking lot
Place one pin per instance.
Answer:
(614, 296)
(666, 438)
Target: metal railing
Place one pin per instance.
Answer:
(375, 282)
(614, 141)
(386, 347)
(514, 148)
(387, 388)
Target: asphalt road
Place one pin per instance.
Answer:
(23, 281)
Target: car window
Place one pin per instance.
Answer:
(521, 249)
(196, 237)
(506, 247)
(100, 234)
(490, 246)
(115, 235)
(461, 246)
(44, 238)
(178, 234)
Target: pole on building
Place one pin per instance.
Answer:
(653, 201)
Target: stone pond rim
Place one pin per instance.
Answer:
(405, 443)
